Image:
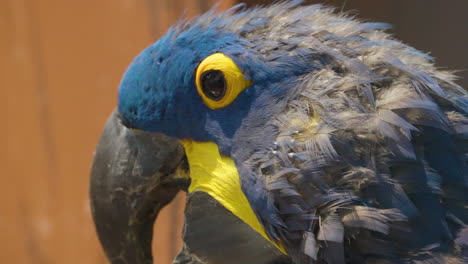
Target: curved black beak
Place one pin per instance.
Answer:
(134, 175)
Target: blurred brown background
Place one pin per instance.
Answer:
(61, 63)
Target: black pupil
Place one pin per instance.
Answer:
(213, 84)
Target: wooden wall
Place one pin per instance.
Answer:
(61, 63)
(60, 66)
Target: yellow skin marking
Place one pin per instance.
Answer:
(217, 175)
(235, 81)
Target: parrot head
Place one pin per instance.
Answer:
(201, 83)
(299, 135)
(183, 82)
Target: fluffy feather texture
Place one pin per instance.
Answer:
(368, 182)
(354, 146)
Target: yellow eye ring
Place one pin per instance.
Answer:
(219, 81)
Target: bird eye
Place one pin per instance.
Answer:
(213, 84)
(219, 81)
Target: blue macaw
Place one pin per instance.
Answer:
(301, 135)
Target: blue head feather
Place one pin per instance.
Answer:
(158, 92)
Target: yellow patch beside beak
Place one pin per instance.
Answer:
(217, 175)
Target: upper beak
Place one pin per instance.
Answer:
(134, 175)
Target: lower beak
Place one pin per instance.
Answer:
(134, 175)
